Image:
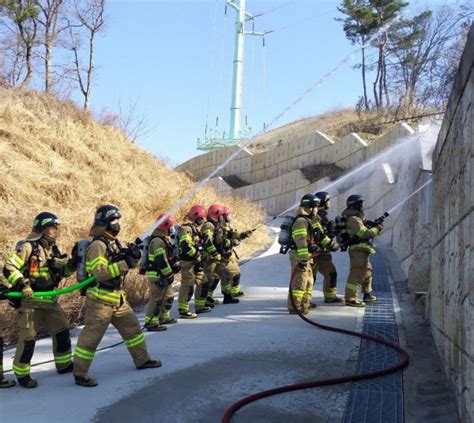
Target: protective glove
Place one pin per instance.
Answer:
(379, 226)
(132, 256)
(246, 234)
(312, 248)
(216, 258)
(302, 265)
(175, 265)
(334, 246)
(27, 292)
(60, 262)
(199, 266)
(131, 261)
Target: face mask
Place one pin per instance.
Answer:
(49, 239)
(199, 221)
(114, 228)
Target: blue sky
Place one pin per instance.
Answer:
(175, 58)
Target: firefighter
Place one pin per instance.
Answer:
(307, 238)
(229, 254)
(38, 265)
(214, 241)
(300, 258)
(323, 260)
(162, 265)
(192, 261)
(106, 303)
(360, 273)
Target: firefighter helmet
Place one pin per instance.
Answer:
(167, 223)
(215, 211)
(197, 212)
(106, 214)
(354, 201)
(310, 201)
(323, 196)
(44, 220)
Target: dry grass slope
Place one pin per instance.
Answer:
(54, 157)
(335, 124)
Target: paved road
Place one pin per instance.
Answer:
(211, 362)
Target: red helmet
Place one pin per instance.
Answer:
(197, 212)
(226, 210)
(167, 224)
(215, 211)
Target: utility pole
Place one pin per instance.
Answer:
(235, 131)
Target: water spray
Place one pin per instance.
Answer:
(411, 195)
(245, 144)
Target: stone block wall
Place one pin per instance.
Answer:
(451, 300)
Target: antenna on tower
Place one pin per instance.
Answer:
(236, 133)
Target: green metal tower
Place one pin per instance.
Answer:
(215, 139)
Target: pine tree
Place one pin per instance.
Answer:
(359, 24)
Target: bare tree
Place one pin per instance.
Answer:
(133, 123)
(90, 18)
(52, 22)
(424, 53)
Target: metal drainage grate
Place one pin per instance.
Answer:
(380, 399)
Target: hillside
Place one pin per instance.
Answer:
(54, 157)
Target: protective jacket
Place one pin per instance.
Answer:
(212, 236)
(189, 241)
(40, 263)
(361, 235)
(321, 228)
(307, 233)
(102, 263)
(230, 239)
(160, 254)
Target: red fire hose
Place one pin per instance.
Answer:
(324, 382)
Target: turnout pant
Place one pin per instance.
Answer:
(221, 269)
(97, 319)
(234, 269)
(360, 275)
(29, 319)
(324, 265)
(189, 279)
(160, 303)
(302, 284)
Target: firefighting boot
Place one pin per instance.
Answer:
(150, 364)
(355, 303)
(67, 369)
(155, 327)
(168, 321)
(333, 300)
(88, 382)
(369, 298)
(312, 305)
(5, 383)
(187, 315)
(27, 382)
(203, 310)
(229, 299)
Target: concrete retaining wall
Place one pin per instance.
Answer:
(451, 300)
